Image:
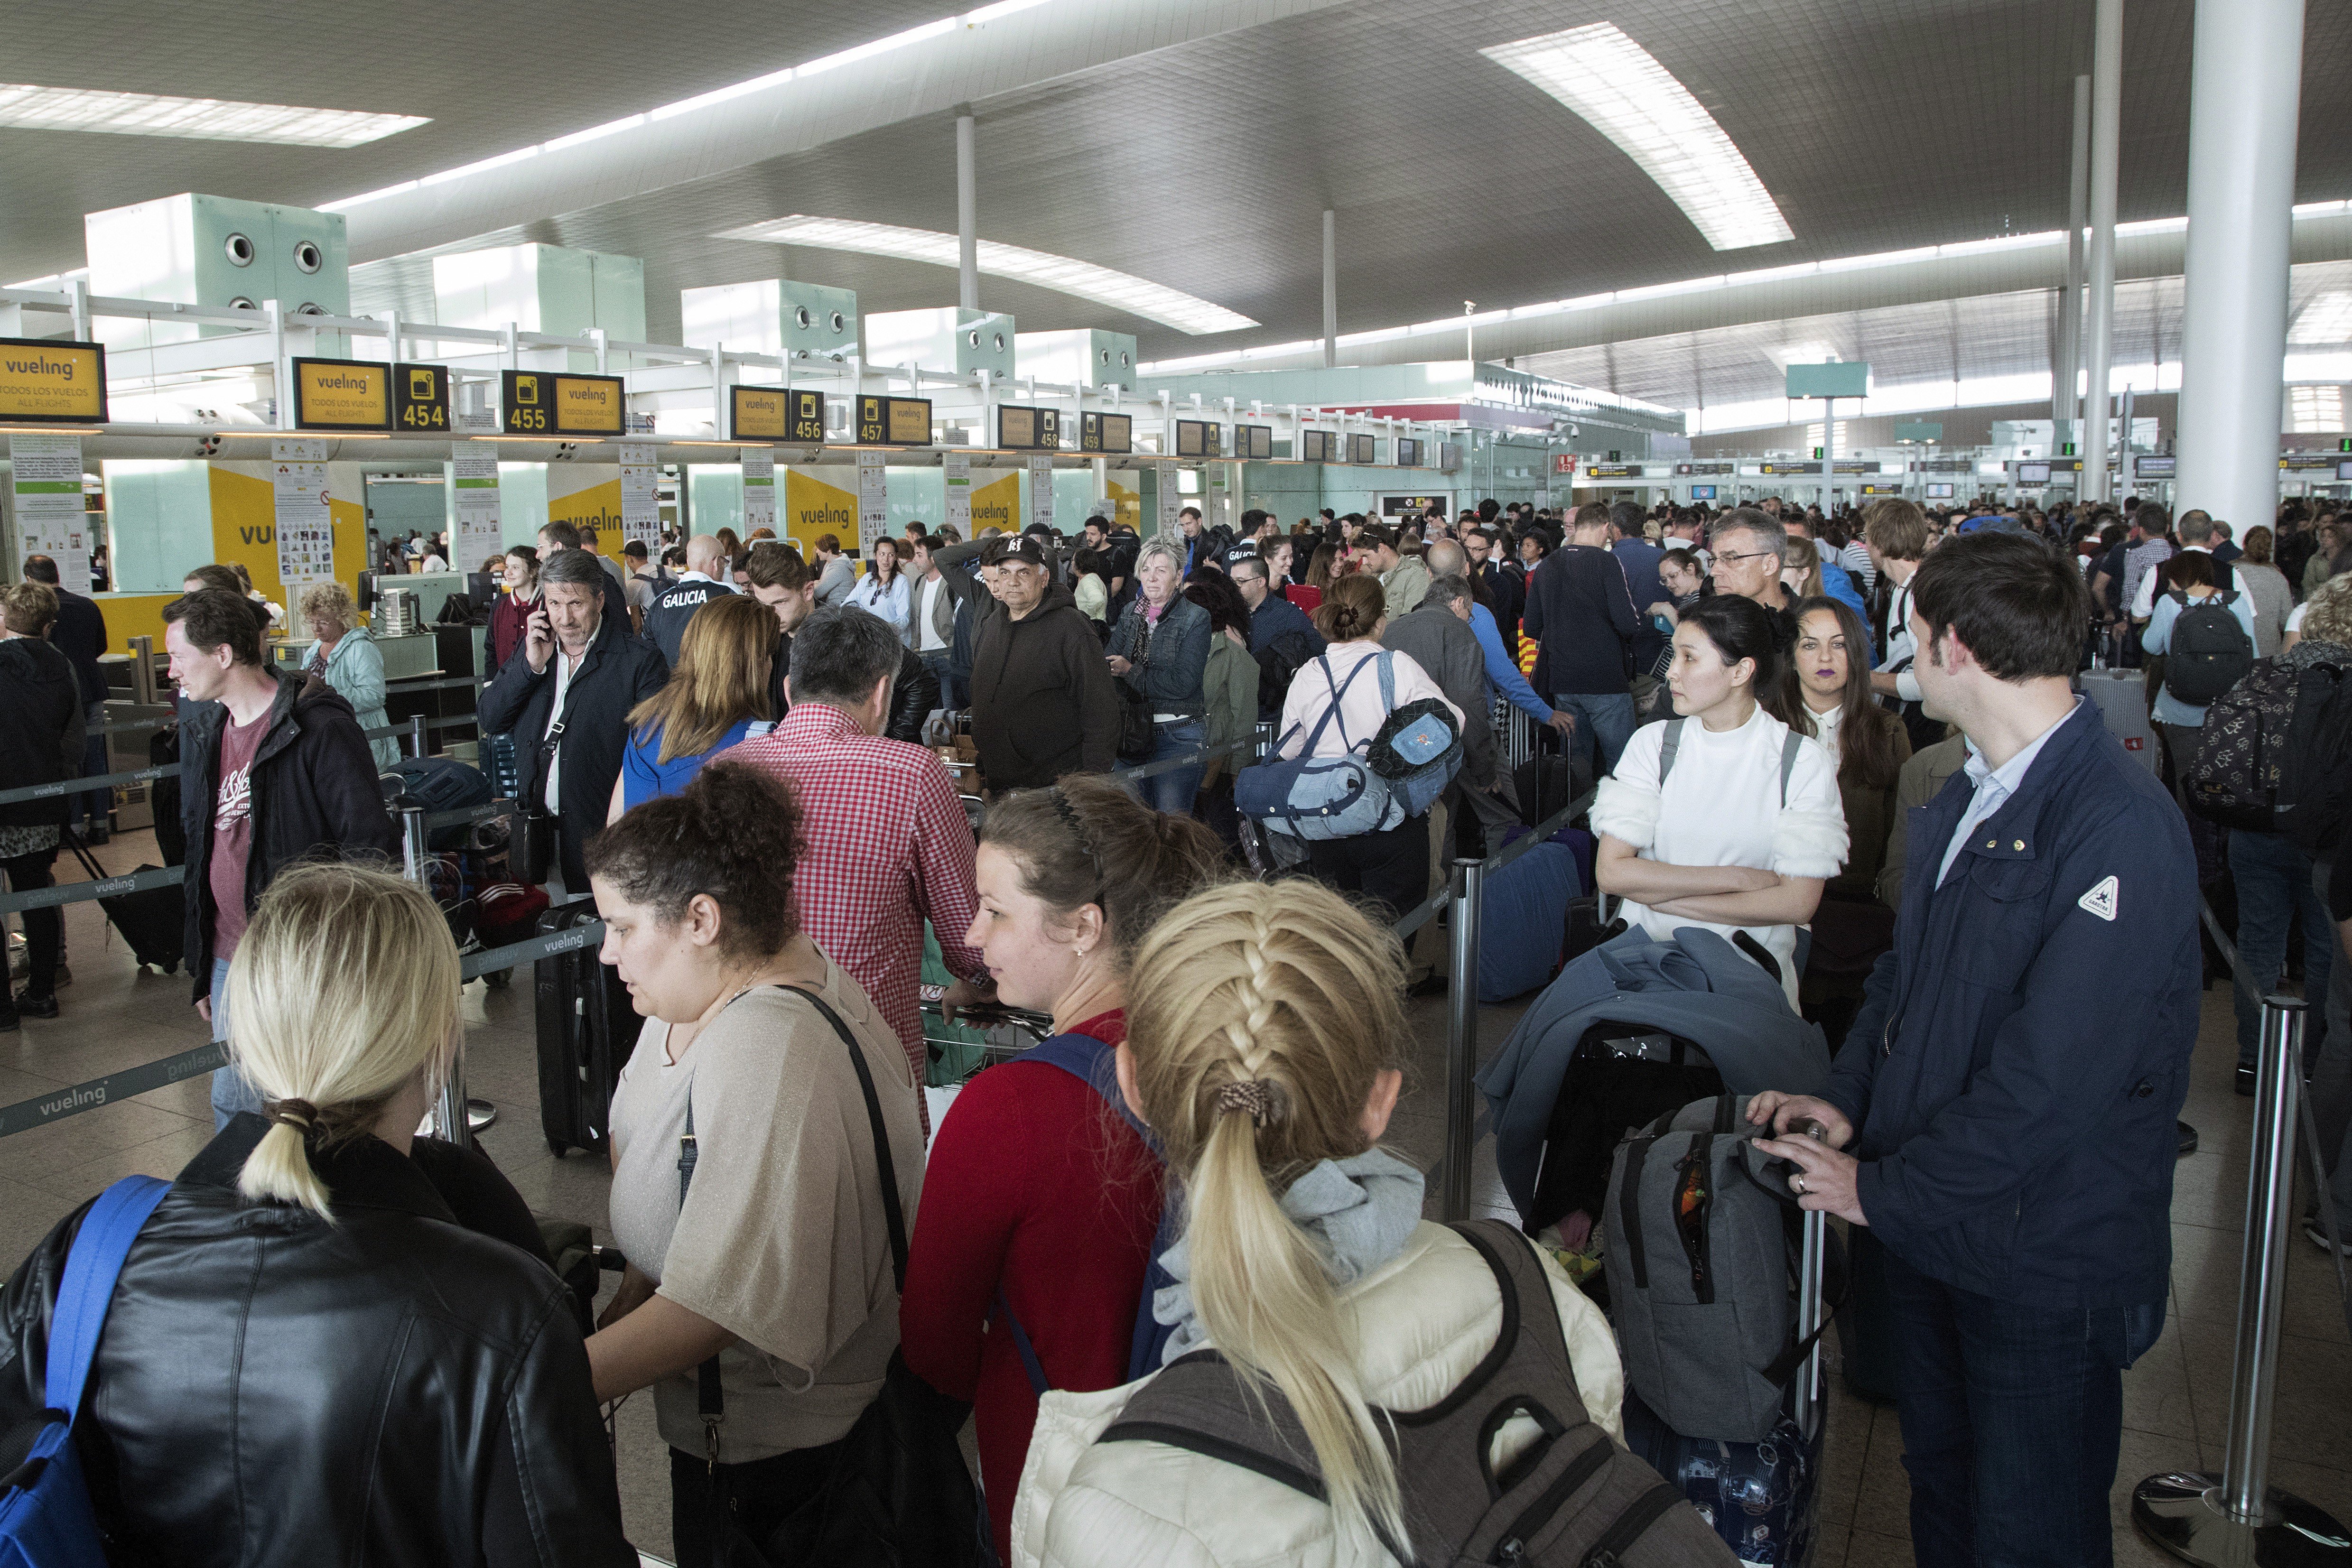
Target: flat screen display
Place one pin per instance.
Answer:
(1106, 433)
(1408, 452)
(1029, 429)
(1939, 492)
(894, 421)
(1253, 441)
(2033, 473)
(1363, 450)
(1702, 492)
(1318, 446)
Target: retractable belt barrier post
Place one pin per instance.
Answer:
(448, 1118)
(1464, 891)
(417, 741)
(2238, 1517)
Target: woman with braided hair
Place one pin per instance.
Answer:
(1265, 1048)
(1042, 1200)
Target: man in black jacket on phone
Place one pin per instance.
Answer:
(565, 696)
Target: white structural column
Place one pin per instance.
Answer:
(2099, 330)
(1330, 288)
(967, 213)
(2065, 378)
(2244, 84)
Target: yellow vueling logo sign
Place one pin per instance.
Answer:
(43, 380)
(342, 394)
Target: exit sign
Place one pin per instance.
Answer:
(2068, 450)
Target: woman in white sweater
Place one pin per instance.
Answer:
(1740, 830)
(1266, 1040)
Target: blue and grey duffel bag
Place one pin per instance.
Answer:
(1312, 797)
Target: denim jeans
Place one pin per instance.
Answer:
(231, 1093)
(2013, 1422)
(1604, 720)
(1173, 791)
(942, 663)
(2273, 878)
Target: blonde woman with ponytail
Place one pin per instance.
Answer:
(329, 1342)
(1266, 1047)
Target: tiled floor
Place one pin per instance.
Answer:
(2176, 1399)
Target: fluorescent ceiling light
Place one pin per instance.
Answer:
(1637, 103)
(979, 19)
(1584, 302)
(1124, 292)
(29, 107)
(2326, 320)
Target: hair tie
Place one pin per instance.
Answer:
(298, 1115)
(1069, 816)
(1257, 1097)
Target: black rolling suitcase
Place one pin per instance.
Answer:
(153, 921)
(586, 1029)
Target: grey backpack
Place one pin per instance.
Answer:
(1572, 1499)
(1702, 1258)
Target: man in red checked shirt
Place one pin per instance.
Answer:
(889, 844)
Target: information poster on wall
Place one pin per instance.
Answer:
(873, 500)
(640, 499)
(759, 489)
(956, 467)
(305, 526)
(474, 488)
(1040, 491)
(45, 488)
(1170, 502)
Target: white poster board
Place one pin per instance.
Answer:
(1040, 491)
(956, 466)
(759, 489)
(1170, 503)
(45, 486)
(873, 500)
(474, 493)
(640, 499)
(305, 525)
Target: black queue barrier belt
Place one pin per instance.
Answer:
(58, 1104)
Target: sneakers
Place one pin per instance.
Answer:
(2319, 1234)
(2245, 1080)
(96, 836)
(33, 1006)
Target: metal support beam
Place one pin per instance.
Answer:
(2107, 148)
(967, 213)
(2067, 374)
(2245, 80)
(1330, 288)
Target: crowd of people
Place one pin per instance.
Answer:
(1858, 734)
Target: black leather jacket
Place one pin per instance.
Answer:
(272, 1388)
(913, 694)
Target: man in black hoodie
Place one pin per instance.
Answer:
(1042, 699)
(274, 768)
(40, 743)
(80, 634)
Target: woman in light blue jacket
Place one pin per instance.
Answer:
(884, 590)
(348, 660)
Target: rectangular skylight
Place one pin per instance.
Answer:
(1124, 292)
(1637, 103)
(28, 108)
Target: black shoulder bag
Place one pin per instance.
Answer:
(900, 1493)
(1136, 736)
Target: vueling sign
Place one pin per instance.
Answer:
(47, 380)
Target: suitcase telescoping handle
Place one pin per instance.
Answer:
(1811, 1263)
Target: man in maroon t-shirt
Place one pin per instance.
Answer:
(275, 768)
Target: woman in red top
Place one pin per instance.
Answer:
(1036, 1190)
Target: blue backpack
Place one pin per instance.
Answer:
(1091, 1062)
(46, 1520)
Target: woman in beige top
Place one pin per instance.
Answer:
(776, 1259)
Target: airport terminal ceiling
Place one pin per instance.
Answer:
(1204, 165)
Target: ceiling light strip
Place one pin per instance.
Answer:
(2002, 243)
(25, 107)
(1626, 94)
(1066, 275)
(978, 19)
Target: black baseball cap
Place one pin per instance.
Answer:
(1025, 549)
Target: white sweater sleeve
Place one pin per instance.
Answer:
(1625, 807)
(1809, 836)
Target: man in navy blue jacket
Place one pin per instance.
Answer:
(2014, 1076)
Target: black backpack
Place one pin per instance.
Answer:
(2210, 651)
(2242, 750)
(1277, 663)
(2316, 786)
